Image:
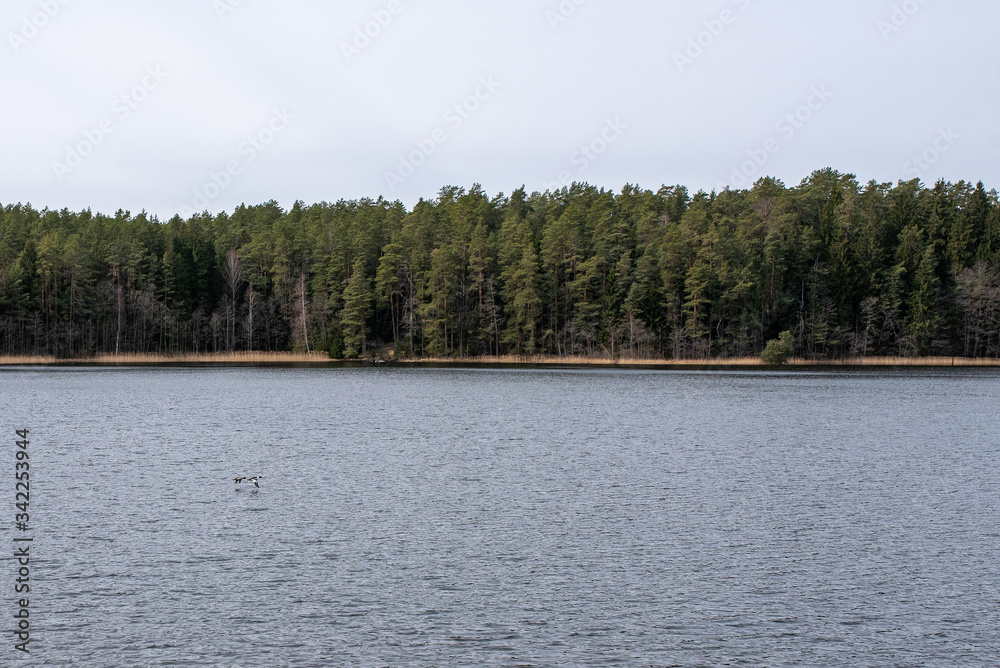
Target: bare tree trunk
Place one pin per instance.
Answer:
(302, 302)
(232, 274)
(118, 286)
(395, 320)
(251, 304)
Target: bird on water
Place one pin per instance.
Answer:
(253, 479)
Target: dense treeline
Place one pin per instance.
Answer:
(848, 269)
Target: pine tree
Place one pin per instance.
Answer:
(923, 316)
(521, 292)
(353, 318)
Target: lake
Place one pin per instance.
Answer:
(506, 517)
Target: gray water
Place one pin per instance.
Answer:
(506, 517)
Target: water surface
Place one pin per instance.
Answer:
(449, 517)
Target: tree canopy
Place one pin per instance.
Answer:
(848, 269)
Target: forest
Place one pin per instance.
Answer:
(850, 270)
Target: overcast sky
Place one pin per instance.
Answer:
(205, 104)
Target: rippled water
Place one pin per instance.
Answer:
(508, 517)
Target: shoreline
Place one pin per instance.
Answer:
(304, 360)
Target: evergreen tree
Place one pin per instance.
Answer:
(353, 319)
(873, 269)
(923, 314)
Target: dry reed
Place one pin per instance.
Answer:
(17, 360)
(579, 360)
(902, 361)
(264, 358)
(246, 358)
(719, 362)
